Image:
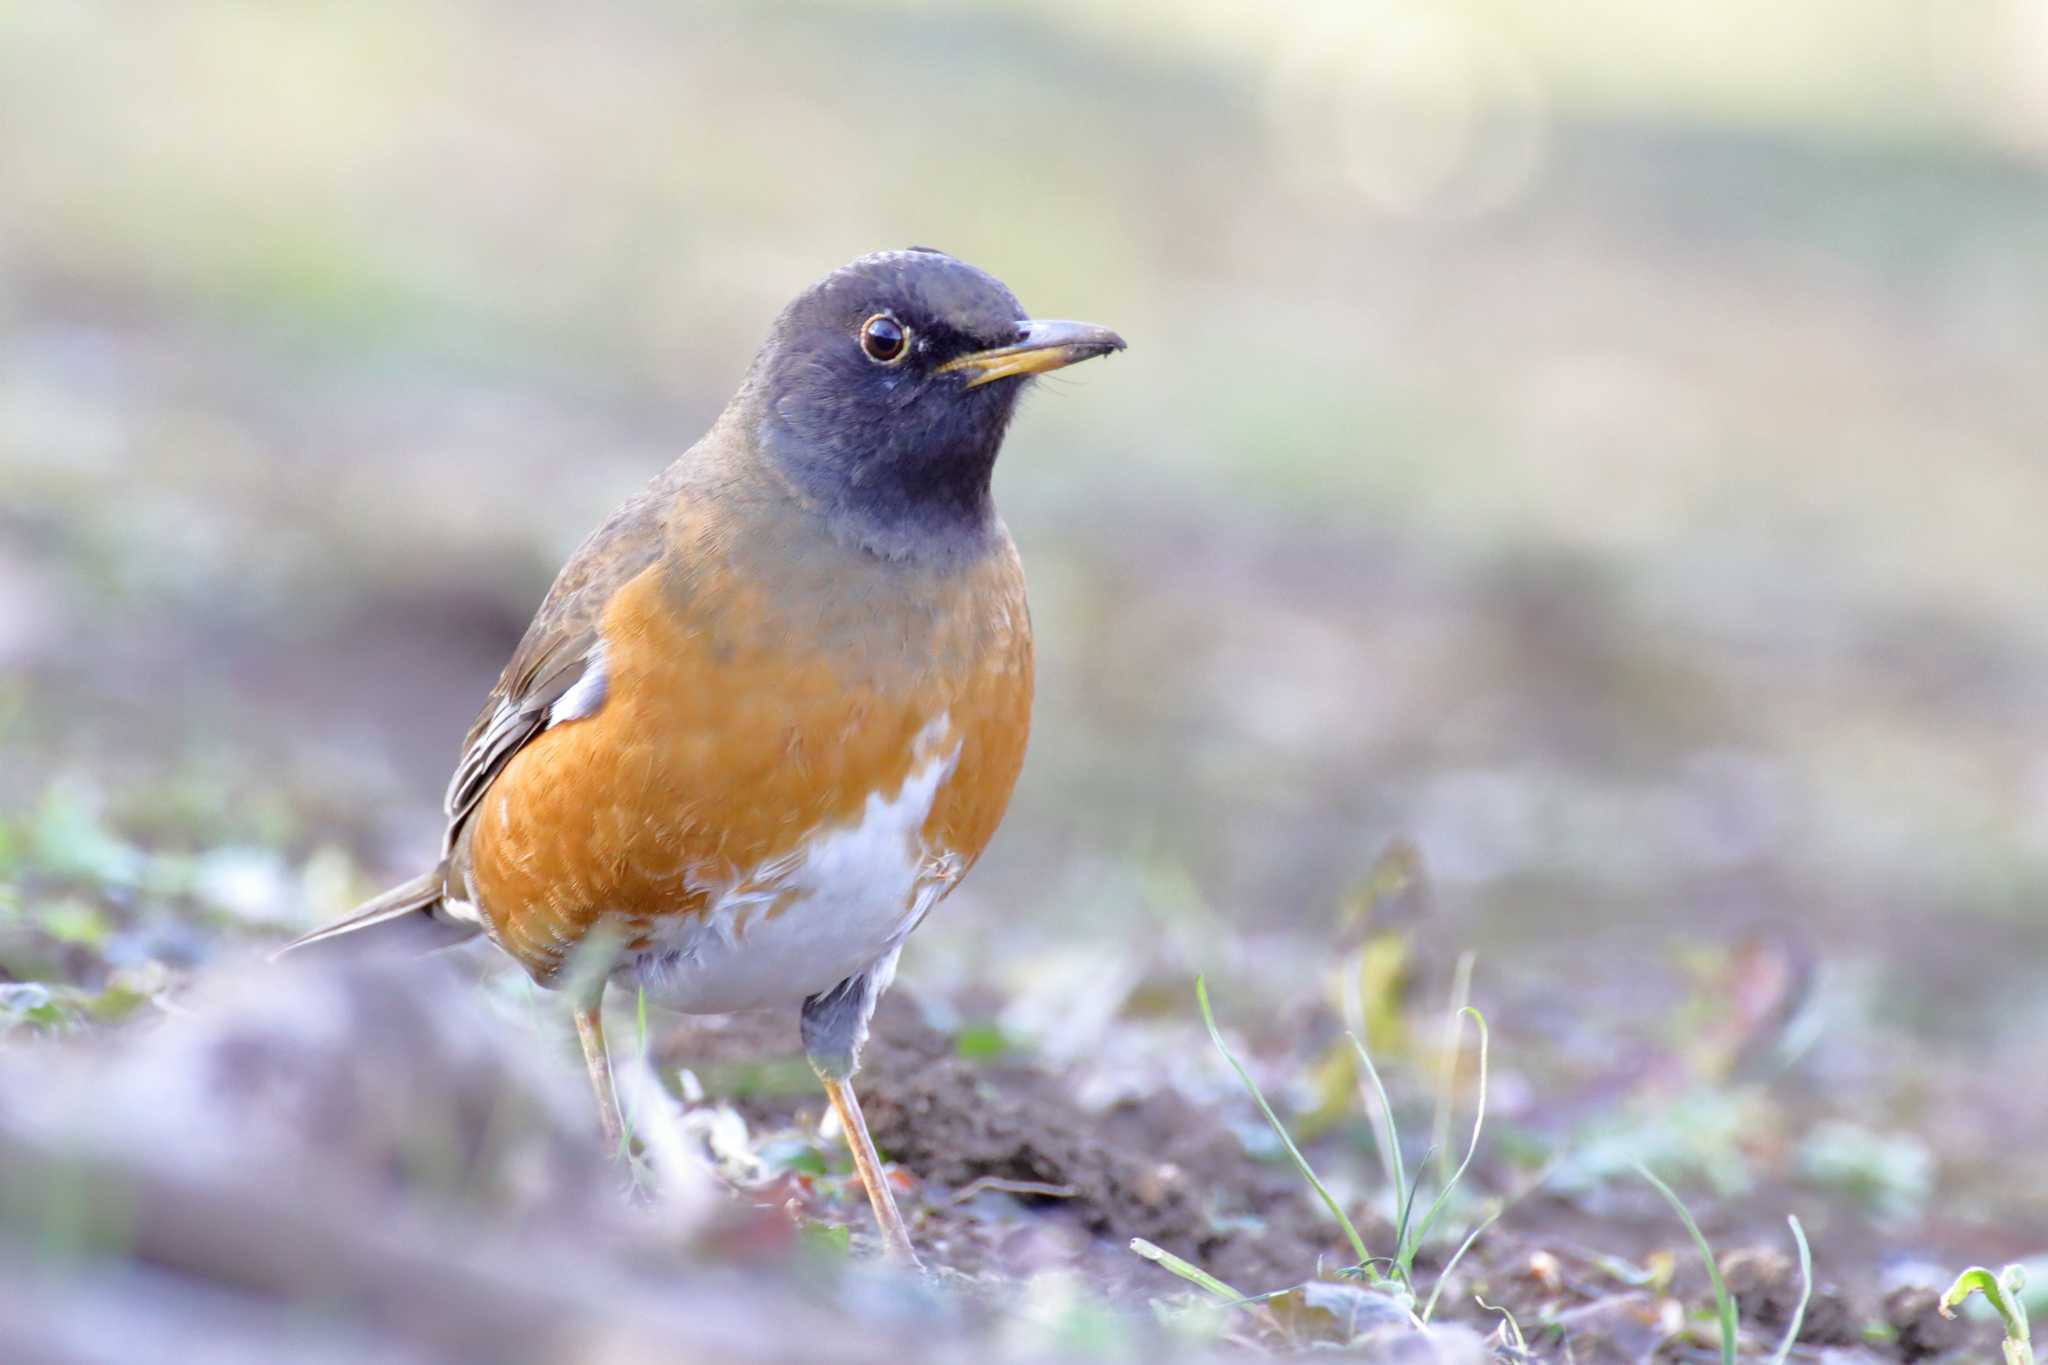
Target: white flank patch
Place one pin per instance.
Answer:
(462, 910)
(586, 695)
(850, 895)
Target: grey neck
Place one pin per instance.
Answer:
(920, 504)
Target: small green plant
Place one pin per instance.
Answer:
(1308, 1172)
(827, 1242)
(2002, 1292)
(1724, 1302)
(1512, 1343)
(1408, 1236)
(1410, 1231)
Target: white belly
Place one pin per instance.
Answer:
(843, 900)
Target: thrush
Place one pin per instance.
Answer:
(772, 710)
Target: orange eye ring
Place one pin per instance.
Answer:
(884, 340)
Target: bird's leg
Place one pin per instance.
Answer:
(590, 1028)
(895, 1236)
(835, 1024)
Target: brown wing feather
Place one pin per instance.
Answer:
(555, 651)
(517, 713)
(551, 657)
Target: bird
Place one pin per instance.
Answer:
(772, 710)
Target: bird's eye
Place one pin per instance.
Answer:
(884, 339)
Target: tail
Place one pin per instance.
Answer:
(410, 916)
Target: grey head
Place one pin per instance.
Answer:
(884, 390)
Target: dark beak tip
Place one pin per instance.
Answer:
(1084, 338)
(1102, 341)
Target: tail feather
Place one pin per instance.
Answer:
(409, 915)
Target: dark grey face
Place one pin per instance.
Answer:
(887, 387)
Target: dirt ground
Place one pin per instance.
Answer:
(305, 1148)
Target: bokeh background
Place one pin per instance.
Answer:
(1600, 446)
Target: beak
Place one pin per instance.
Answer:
(1041, 346)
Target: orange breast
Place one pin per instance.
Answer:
(744, 718)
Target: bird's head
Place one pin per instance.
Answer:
(884, 390)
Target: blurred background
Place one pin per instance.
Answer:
(1596, 451)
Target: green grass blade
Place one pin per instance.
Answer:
(1390, 1136)
(1403, 1221)
(1429, 1306)
(1187, 1270)
(1724, 1302)
(1471, 1149)
(1447, 1071)
(1300, 1161)
(1805, 1293)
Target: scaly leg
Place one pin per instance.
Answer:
(835, 1024)
(895, 1236)
(590, 1028)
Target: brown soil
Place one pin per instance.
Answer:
(1080, 1184)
